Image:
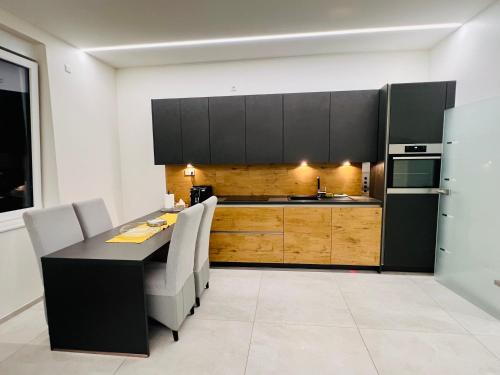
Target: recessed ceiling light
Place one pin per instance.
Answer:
(261, 38)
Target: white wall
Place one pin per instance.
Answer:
(143, 182)
(80, 149)
(471, 55)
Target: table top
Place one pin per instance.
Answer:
(96, 248)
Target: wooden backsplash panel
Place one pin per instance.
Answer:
(272, 179)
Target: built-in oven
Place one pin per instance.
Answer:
(414, 169)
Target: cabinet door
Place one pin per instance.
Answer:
(410, 232)
(264, 129)
(167, 140)
(306, 127)
(307, 237)
(356, 234)
(227, 129)
(246, 247)
(354, 126)
(417, 112)
(195, 130)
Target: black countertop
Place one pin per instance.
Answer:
(284, 200)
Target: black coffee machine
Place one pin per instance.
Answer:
(200, 193)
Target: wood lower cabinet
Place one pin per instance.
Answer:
(265, 219)
(246, 247)
(356, 235)
(307, 235)
(297, 235)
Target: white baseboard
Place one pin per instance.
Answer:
(20, 310)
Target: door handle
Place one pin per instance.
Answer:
(443, 191)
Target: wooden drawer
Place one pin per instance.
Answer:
(248, 219)
(356, 235)
(245, 247)
(307, 237)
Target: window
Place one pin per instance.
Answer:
(20, 180)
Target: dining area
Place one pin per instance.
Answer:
(103, 284)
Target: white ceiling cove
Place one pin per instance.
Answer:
(98, 23)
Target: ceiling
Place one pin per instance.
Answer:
(97, 23)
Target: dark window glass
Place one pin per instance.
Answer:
(16, 190)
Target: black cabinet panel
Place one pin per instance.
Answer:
(227, 129)
(306, 127)
(167, 136)
(410, 232)
(417, 112)
(264, 129)
(195, 130)
(451, 88)
(354, 125)
(382, 122)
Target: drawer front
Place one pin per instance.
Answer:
(244, 247)
(356, 235)
(307, 237)
(248, 219)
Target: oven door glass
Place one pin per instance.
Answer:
(415, 173)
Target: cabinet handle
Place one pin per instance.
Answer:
(443, 191)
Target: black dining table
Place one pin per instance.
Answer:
(94, 293)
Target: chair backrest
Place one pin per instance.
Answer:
(180, 259)
(52, 229)
(93, 217)
(201, 254)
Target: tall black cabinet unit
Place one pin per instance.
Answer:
(195, 128)
(354, 126)
(264, 129)
(306, 127)
(227, 129)
(167, 132)
(414, 114)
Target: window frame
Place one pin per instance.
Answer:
(13, 219)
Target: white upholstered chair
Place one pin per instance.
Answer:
(93, 217)
(170, 289)
(201, 262)
(52, 229)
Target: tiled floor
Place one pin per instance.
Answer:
(292, 322)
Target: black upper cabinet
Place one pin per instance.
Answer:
(264, 129)
(306, 127)
(382, 122)
(195, 130)
(417, 112)
(167, 131)
(354, 125)
(227, 129)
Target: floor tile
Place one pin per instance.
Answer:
(301, 349)
(491, 342)
(303, 298)
(471, 317)
(204, 347)
(37, 358)
(232, 295)
(394, 302)
(399, 353)
(21, 330)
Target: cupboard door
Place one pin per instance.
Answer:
(307, 237)
(354, 126)
(195, 130)
(356, 235)
(227, 129)
(246, 247)
(167, 140)
(264, 219)
(264, 129)
(417, 112)
(306, 127)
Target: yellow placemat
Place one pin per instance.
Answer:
(143, 232)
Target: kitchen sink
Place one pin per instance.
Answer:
(303, 197)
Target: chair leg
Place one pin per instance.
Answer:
(191, 312)
(207, 286)
(198, 302)
(176, 335)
